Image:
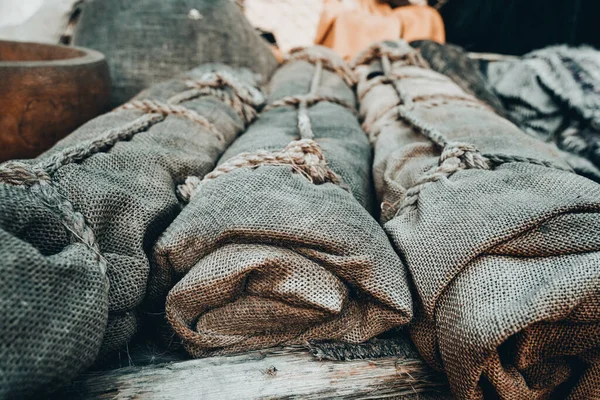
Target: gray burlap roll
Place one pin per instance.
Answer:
(276, 245)
(85, 214)
(500, 239)
(148, 41)
(53, 291)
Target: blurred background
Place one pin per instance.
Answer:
(534, 61)
(512, 27)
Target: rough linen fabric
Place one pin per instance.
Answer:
(276, 245)
(501, 241)
(148, 41)
(82, 217)
(554, 94)
(454, 62)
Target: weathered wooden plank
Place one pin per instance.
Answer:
(274, 374)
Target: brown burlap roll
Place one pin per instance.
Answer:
(84, 214)
(502, 242)
(276, 246)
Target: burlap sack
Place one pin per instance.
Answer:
(276, 246)
(454, 62)
(53, 291)
(554, 94)
(148, 41)
(86, 212)
(501, 241)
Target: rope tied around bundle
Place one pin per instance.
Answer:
(38, 179)
(454, 156)
(245, 99)
(302, 102)
(158, 107)
(387, 54)
(304, 156)
(312, 55)
(20, 174)
(39, 182)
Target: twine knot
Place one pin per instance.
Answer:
(391, 53)
(157, 107)
(304, 156)
(329, 60)
(466, 154)
(247, 93)
(21, 174)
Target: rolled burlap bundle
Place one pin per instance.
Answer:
(85, 213)
(276, 245)
(501, 240)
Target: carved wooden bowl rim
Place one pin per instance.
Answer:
(69, 55)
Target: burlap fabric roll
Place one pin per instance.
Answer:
(148, 41)
(501, 241)
(82, 216)
(276, 245)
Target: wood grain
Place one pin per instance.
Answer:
(47, 92)
(273, 374)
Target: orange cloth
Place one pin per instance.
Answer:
(350, 30)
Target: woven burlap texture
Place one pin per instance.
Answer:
(82, 217)
(148, 41)
(277, 247)
(500, 239)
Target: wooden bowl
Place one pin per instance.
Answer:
(46, 92)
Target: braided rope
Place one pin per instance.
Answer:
(304, 156)
(246, 112)
(39, 182)
(18, 173)
(102, 143)
(498, 159)
(304, 124)
(310, 100)
(154, 106)
(71, 219)
(311, 55)
(455, 156)
(243, 98)
(379, 51)
(302, 102)
(37, 177)
(247, 93)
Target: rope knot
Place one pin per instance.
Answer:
(157, 107)
(330, 61)
(304, 156)
(21, 174)
(464, 155)
(399, 51)
(247, 93)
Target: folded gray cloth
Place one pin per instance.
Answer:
(554, 94)
(76, 223)
(148, 41)
(276, 245)
(501, 239)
